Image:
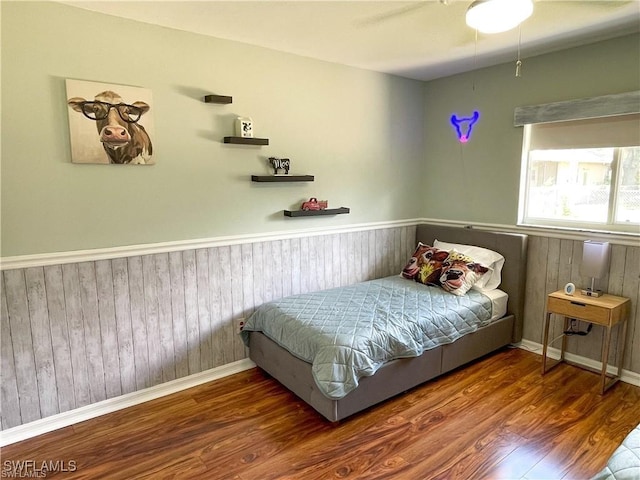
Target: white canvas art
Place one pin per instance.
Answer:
(110, 124)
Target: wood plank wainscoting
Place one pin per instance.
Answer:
(552, 263)
(79, 333)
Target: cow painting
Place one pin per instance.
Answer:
(122, 137)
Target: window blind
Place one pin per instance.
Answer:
(603, 132)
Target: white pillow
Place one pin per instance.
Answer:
(491, 280)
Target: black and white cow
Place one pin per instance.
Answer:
(124, 140)
(280, 164)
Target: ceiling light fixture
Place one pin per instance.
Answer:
(495, 16)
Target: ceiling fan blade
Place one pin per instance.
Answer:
(393, 14)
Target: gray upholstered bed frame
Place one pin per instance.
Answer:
(400, 375)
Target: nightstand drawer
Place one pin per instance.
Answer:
(577, 309)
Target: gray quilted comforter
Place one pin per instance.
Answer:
(624, 464)
(349, 332)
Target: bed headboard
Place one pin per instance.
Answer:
(513, 246)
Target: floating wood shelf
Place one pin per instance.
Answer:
(218, 99)
(282, 178)
(313, 213)
(246, 140)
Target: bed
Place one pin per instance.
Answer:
(624, 463)
(337, 390)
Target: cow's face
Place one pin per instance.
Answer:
(454, 272)
(112, 116)
(419, 257)
(425, 260)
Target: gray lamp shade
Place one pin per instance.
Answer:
(595, 259)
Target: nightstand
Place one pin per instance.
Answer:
(607, 311)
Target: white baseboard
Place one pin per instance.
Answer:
(626, 376)
(54, 422)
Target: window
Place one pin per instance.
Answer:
(582, 174)
(587, 186)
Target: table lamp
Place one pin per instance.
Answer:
(595, 263)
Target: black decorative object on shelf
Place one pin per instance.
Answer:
(280, 164)
(246, 140)
(313, 213)
(282, 178)
(223, 99)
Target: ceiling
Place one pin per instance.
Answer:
(423, 40)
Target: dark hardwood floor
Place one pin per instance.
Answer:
(497, 418)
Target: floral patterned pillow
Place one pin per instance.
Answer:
(459, 272)
(425, 265)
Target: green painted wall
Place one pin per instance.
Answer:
(379, 144)
(360, 133)
(479, 181)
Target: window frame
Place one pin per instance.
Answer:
(581, 109)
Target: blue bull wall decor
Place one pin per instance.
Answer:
(464, 125)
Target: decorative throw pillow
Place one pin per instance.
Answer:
(425, 265)
(459, 272)
(493, 260)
